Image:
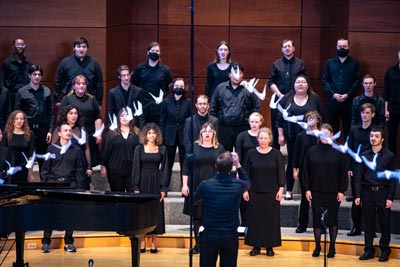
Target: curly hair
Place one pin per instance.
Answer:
(63, 116)
(10, 125)
(146, 129)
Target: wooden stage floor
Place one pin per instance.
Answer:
(177, 257)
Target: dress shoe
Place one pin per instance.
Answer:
(196, 249)
(255, 251)
(354, 232)
(384, 256)
(301, 229)
(142, 250)
(316, 252)
(366, 256)
(153, 250)
(270, 252)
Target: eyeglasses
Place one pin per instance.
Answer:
(20, 45)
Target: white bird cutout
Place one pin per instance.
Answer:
(46, 156)
(99, 131)
(235, 72)
(341, 148)
(128, 114)
(63, 149)
(316, 133)
(113, 121)
(158, 99)
(294, 119)
(11, 169)
(354, 155)
(284, 112)
(389, 174)
(272, 103)
(29, 162)
(82, 139)
(251, 87)
(138, 109)
(370, 164)
(330, 140)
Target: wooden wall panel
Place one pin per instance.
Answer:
(54, 13)
(258, 47)
(211, 12)
(318, 13)
(144, 12)
(118, 50)
(265, 13)
(47, 46)
(118, 12)
(374, 15)
(375, 57)
(141, 36)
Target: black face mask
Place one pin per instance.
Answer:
(154, 56)
(342, 52)
(178, 91)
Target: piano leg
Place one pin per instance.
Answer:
(19, 250)
(135, 251)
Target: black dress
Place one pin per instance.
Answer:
(89, 109)
(150, 175)
(325, 175)
(214, 77)
(245, 142)
(267, 174)
(117, 157)
(16, 146)
(204, 169)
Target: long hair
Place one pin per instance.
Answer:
(63, 116)
(214, 140)
(133, 130)
(146, 129)
(228, 58)
(79, 77)
(10, 125)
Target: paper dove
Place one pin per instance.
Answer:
(235, 72)
(128, 114)
(316, 133)
(250, 85)
(12, 170)
(389, 174)
(98, 132)
(331, 139)
(355, 156)
(272, 103)
(65, 148)
(340, 148)
(81, 140)
(138, 109)
(262, 95)
(158, 99)
(294, 119)
(46, 156)
(113, 121)
(29, 162)
(283, 111)
(370, 164)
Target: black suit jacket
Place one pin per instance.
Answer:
(116, 101)
(172, 123)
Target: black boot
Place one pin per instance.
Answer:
(196, 248)
(354, 232)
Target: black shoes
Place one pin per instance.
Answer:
(196, 249)
(153, 250)
(331, 253)
(301, 229)
(366, 256)
(316, 252)
(142, 250)
(255, 251)
(270, 252)
(354, 232)
(384, 256)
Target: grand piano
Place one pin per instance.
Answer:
(30, 209)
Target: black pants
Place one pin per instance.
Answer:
(340, 111)
(304, 208)
(225, 244)
(68, 239)
(289, 167)
(40, 132)
(274, 128)
(227, 135)
(120, 181)
(375, 202)
(171, 151)
(393, 125)
(355, 210)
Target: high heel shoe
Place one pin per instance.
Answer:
(316, 252)
(142, 250)
(331, 253)
(153, 250)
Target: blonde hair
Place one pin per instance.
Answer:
(214, 140)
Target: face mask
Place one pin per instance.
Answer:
(154, 56)
(178, 91)
(342, 52)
